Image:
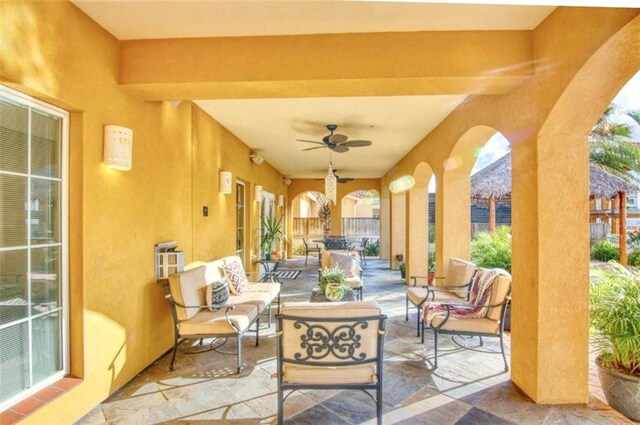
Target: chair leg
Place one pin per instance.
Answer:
(239, 348)
(504, 357)
(435, 347)
(379, 405)
(280, 406)
(406, 314)
(418, 320)
(306, 257)
(258, 331)
(481, 341)
(173, 357)
(422, 332)
(269, 318)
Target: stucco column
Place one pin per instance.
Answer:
(417, 230)
(336, 217)
(550, 308)
(385, 223)
(453, 218)
(398, 225)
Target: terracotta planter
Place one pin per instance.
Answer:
(622, 391)
(431, 276)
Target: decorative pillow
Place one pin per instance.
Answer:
(345, 262)
(238, 282)
(217, 293)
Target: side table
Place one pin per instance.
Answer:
(317, 297)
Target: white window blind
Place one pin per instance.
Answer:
(33, 251)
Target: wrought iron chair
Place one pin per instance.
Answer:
(330, 346)
(362, 250)
(455, 287)
(482, 316)
(308, 249)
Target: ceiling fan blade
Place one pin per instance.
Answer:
(309, 141)
(340, 149)
(317, 147)
(344, 179)
(338, 138)
(356, 143)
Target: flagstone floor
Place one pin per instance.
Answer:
(467, 388)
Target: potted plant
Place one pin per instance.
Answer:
(324, 214)
(615, 322)
(332, 284)
(272, 234)
(431, 272)
(403, 269)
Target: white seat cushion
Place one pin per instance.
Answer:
(417, 295)
(353, 282)
(259, 299)
(271, 288)
(480, 325)
(211, 323)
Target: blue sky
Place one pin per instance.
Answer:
(497, 146)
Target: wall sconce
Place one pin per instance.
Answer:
(118, 147)
(286, 181)
(225, 181)
(281, 201)
(258, 194)
(402, 184)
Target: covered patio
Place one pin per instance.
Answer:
(212, 106)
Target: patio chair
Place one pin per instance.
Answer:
(455, 287)
(362, 249)
(330, 346)
(308, 249)
(354, 276)
(482, 316)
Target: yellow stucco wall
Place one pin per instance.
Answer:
(120, 321)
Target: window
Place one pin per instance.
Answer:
(241, 220)
(33, 245)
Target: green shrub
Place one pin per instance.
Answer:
(605, 251)
(493, 250)
(373, 249)
(633, 239)
(301, 250)
(615, 315)
(432, 262)
(333, 275)
(634, 258)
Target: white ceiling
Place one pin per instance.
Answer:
(145, 19)
(395, 124)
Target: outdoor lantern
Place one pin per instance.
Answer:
(330, 185)
(118, 144)
(401, 184)
(225, 181)
(258, 194)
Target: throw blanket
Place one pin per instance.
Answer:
(480, 296)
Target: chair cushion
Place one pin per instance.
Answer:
(354, 282)
(300, 374)
(459, 273)
(238, 282)
(482, 325)
(499, 291)
(213, 323)
(271, 288)
(293, 337)
(217, 293)
(417, 295)
(259, 299)
(187, 289)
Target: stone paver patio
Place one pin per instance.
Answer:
(467, 388)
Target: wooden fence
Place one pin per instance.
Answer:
(355, 228)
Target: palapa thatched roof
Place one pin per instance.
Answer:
(495, 179)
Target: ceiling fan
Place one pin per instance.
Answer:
(336, 142)
(340, 179)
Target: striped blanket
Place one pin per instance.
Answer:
(480, 297)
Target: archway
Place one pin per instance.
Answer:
(453, 196)
(417, 229)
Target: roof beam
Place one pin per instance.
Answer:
(375, 64)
